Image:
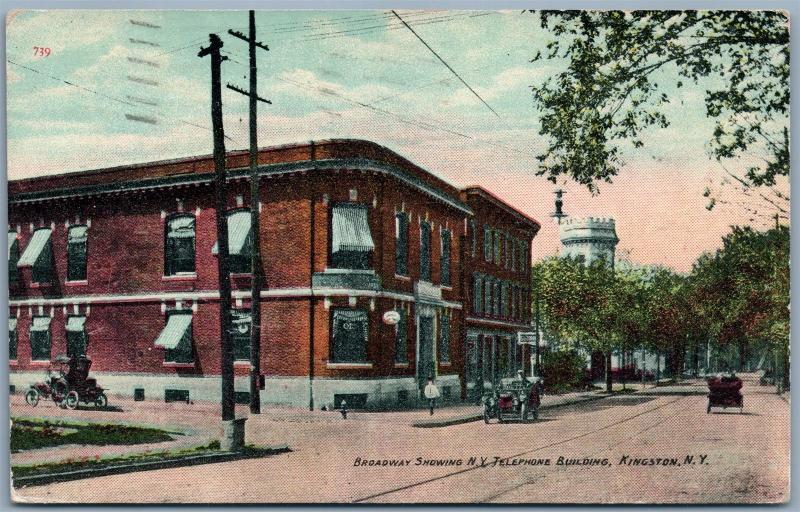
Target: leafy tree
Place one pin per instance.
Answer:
(623, 66)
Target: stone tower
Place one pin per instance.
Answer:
(589, 239)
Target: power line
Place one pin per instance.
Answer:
(445, 63)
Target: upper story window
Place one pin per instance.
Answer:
(179, 248)
(506, 251)
(76, 253)
(13, 256)
(473, 229)
(444, 267)
(487, 243)
(425, 251)
(351, 240)
(496, 258)
(477, 294)
(514, 245)
(487, 294)
(240, 242)
(176, 337)
(39, 256)
(401, 244)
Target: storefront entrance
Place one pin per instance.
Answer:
(426, 343)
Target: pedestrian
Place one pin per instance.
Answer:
(431, 393)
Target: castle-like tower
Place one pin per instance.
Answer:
(589, 239)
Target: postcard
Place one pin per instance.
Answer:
(398, 256)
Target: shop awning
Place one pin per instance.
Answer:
(238, 230)
(12, 239)
(77, 233)
(38, 242)
(12, 324)
(351, 230)
(174, 331)
(40, 323)
(75, 323)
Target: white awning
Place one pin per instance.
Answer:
(12, 239)
(182, 227)
(12, 324)
(238, 230)
(174, 331)
(40, 323)
(34, 249)
(77, 233)
(351, 230)
(75, 323)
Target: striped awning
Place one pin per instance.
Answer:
(75, 323)
(12, 324)
(182, 227)
(38, 242)
(40, 323)
(12, 239)
(238, 231)
(351, 229)
(77, 233)
(174, 331)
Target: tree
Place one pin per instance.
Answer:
(623, 66)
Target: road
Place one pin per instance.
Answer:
(736, 458)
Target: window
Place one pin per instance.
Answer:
(76, 336)
(240, 241)
(497, 236)
(487, 243)
(514, 246)
(13, 339)
(40, 338)
(487, 303)
(176, 338)
(444, 338)
(76, 253)
(179, 245)
(351, 240)
(506, 251)
(13, 256)
(39, 256)
(504, 300)
(477, 293)
(497, 297)
(350, 331)
(425, 251)
(401, 244)
(444, 268)
(241, 323)
(401, 337)
(514, 297)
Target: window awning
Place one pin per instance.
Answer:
(182, 227)
(75, 323)
(77, 233)
(351, 230)
(238, 230)
(174, 331)
(12, 239)
(40, 323)
(12, 324)
(34, 249)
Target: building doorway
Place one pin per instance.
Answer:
(426, 344)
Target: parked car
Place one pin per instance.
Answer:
(69, 385)
(515, 399)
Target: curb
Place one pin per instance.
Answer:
(122, 468)
(459, 420)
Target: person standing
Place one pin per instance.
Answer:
(431, 393)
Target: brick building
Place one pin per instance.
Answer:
(497, 289)
(120, 264)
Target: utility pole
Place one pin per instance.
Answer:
(231, 435)
(255, 204)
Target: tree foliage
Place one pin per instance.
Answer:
(622, 66)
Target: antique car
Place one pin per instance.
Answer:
(514, 399)
(725, 392)
(70, 385)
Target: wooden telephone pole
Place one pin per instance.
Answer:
(255, 203)
(226, 348)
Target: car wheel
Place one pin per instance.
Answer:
(71, 401)
(101, 401)
(32, 397)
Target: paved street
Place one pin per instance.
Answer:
(746, 457)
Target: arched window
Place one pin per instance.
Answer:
(76, 253)
(179, 246)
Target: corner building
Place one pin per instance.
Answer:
(120, 264)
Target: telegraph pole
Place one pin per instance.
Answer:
(226, 348)
(255, 203)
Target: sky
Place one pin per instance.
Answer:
(350, 74)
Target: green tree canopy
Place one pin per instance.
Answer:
(622, 67)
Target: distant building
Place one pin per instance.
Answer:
(589, 239)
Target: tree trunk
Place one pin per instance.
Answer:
(609, 384)
(658, 366)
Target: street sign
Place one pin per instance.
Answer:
(391, 317)
(526, 338)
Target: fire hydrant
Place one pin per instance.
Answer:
(343, 409)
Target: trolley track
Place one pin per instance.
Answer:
(528, 452)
